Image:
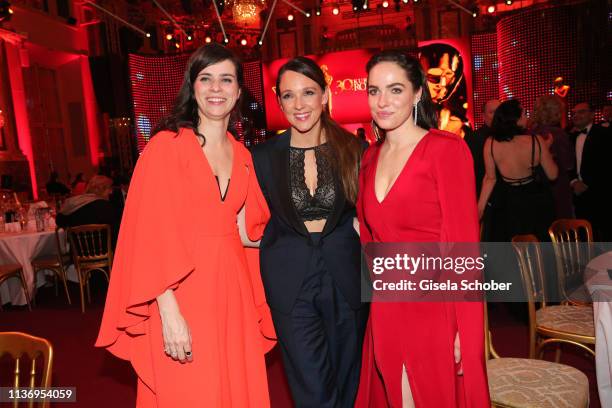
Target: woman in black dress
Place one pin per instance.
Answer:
(516, 190)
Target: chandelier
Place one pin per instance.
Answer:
(245, 11)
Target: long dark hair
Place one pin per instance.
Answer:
(427, 117)
(344, 146)
(185, 111)
(505, 121)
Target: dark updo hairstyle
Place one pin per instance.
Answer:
(427, 117)
(345, 147)
(185, 111)
(505, 121)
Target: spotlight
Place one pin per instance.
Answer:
(318, 11)
(243, 41)
(260, 42)
(11, 10)
(189, 38)
(335, 11)
(475, 13)
(177, 45)
(168, 37)
(415, 1)
(208, 40)
(385, 4)
(491, 9)
(290, 17)
(405, 1)
(148, 35)
(509, 2)
(226, 40)
(308, 14)
(365, 5)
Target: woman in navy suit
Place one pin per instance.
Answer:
(310, 251)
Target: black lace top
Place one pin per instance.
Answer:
(319, 206)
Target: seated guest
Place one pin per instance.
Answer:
(93, 207)
(56, 187)
(548, 114)
(593, 175)
(476, 140)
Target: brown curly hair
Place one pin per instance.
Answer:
(548, 111)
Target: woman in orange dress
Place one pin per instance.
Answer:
(185, 303)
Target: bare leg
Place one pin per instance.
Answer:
(407, 401)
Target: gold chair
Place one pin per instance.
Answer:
(57, 263)
(15, 271)
(527, 383)
(16, 345)
(573, 246)
(91, 250)
(549, 324)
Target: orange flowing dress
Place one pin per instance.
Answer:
(177, 233)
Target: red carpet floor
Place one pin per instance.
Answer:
(103, 381)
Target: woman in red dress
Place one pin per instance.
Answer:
(185, 303)
(416, 185)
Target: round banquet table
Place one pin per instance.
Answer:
(599, 285)
(21, 248)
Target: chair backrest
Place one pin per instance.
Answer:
(91, 243)
(529, 255)
(489, 349)
(19, 344)
(573, 246)
(531, 265)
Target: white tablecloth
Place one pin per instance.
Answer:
(599, 285)
(22, 248)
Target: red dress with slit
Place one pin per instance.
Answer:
(432, 200)
(177, 233)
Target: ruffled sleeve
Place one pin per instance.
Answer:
(152, 253)
(257, 215)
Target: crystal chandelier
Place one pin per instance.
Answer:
(246, 11)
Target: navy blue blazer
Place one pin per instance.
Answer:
(286, 248)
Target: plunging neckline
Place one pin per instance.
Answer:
(402, 171)
(222, 199)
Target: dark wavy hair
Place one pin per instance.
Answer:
(505, 121)
(185, 111)
(345, 147)
(427, 117)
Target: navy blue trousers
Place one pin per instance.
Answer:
(321, 341)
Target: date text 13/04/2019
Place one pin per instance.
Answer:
(428, 285)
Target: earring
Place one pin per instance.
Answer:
(416, 112)
(375, 129)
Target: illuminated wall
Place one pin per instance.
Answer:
(155, 82)
(538, 45)
(484, 72)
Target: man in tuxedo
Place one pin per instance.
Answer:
(476, 140)
(593, 171)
